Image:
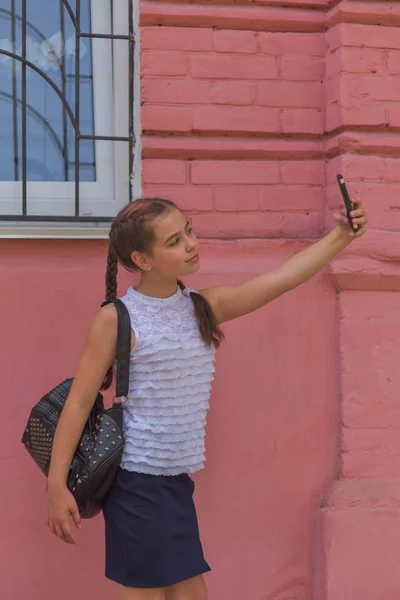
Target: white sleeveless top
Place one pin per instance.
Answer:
(171, 370)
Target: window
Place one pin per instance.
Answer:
(67, 127)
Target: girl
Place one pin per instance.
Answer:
(153, 549)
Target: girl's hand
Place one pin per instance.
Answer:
(359, 217)
(63, 510)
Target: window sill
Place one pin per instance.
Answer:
(56, 231)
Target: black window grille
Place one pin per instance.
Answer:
(71, 111)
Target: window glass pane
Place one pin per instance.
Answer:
(10, 123)
(5, 20)
(51, 48)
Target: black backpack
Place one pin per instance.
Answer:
(98, 454)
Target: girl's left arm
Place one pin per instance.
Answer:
(230, 302)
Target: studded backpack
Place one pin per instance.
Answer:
(98, 454)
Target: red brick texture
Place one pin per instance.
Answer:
(247, 85)
(249, 110)
(240, 107)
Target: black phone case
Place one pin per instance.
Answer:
(346, 199)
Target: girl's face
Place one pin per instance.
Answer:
(175, 249)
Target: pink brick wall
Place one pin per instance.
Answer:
(248, 112)
(226, 96)
(357, 546)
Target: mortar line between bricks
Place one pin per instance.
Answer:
(229, 135)
(251, 135)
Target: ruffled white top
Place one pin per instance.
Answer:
(171, 370)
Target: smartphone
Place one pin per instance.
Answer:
(346, 199)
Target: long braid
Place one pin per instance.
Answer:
(111, 274)
(111, 294)
(210, 330)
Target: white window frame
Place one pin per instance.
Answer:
(110, 191)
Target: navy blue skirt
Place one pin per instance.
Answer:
(152, 534)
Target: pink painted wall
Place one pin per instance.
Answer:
(247, 112)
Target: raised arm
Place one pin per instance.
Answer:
(231, 302)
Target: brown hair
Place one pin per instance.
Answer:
(131, 231)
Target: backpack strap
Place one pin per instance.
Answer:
(123, 347)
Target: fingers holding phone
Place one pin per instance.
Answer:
(354, 216)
